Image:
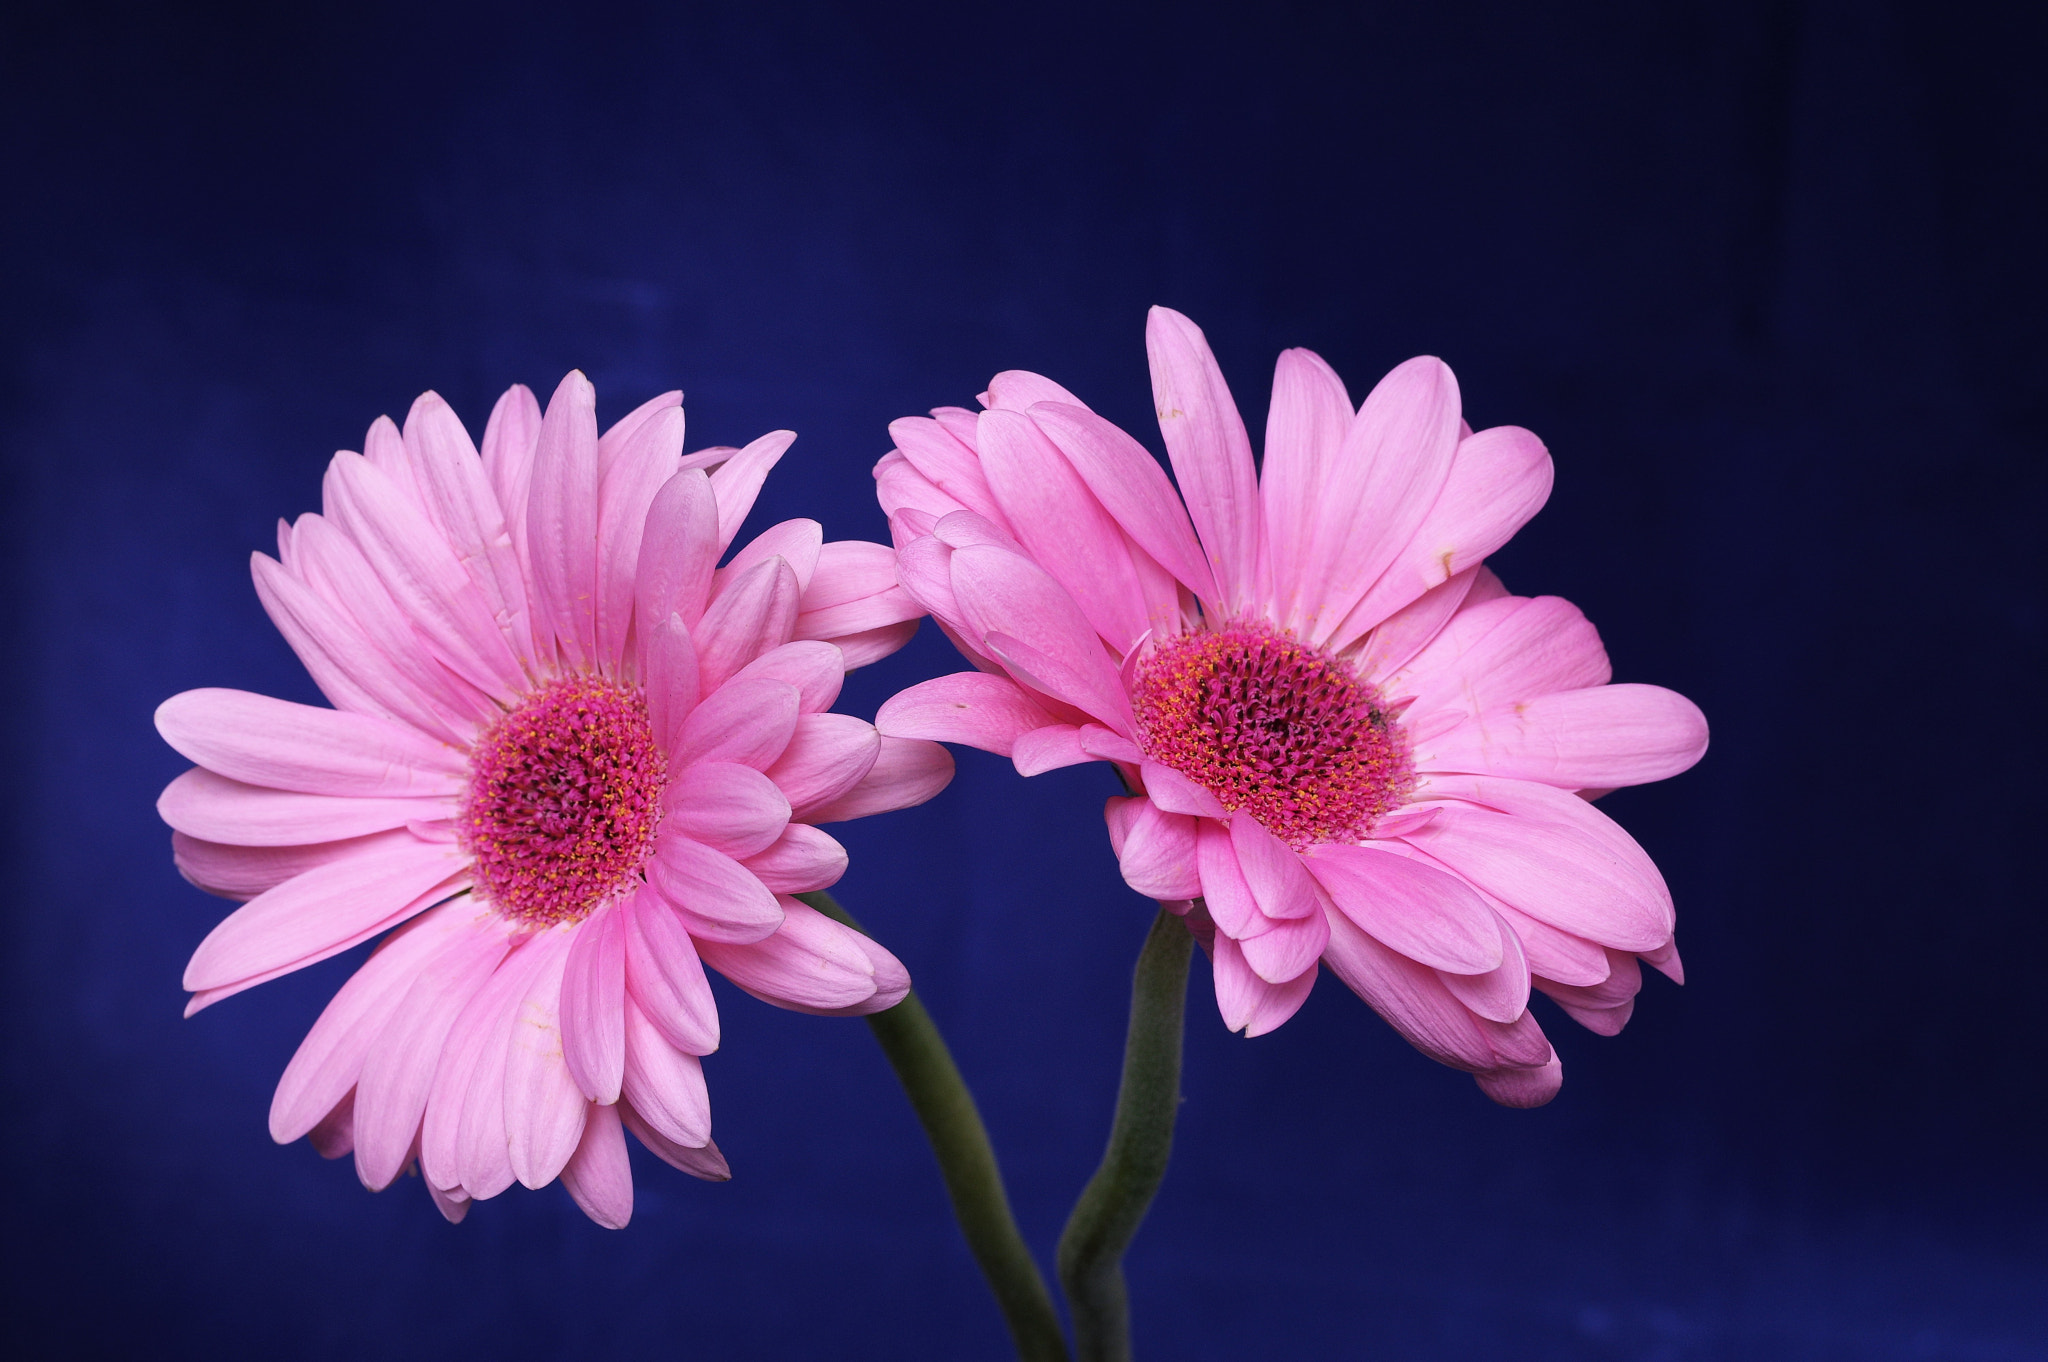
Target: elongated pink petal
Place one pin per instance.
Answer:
(1388, 472)
(1020, 389)
(1132, 487)
(1523, 1087)
(867, 645)
(1552, 952)
(239, 872)
(261, 741)
(215, 809)
(1604, 1007)
(665, 1085)
(1603, 737)
(1249, 1003)
(665, 976)
(1556, 858)
(944, 462)
(1001, 593)
(1394, 642)
(327, 909)
(751, 615)
(730, 808)
(1158, 855)
(1174, 792)
(1281, 953)
(594, 1004)
(324, 1068)
(849, 571)
(988, 712)
(453, 1206)
(1062, 526)
(335, 1136)
(679, 548)
(544, 1112)
(457, 494)
(750, 722)
(1427, 914)
(907, 772)
(802, 860)
(1501, 994)
(1504, 651)
(619, 435)
(642, 464)
(463, 1140)
(1230, 899)
(738, 480)
(1049, 749)
(1280, 884)
(704, 1161)
(800, 543)
(827, 755)
(1498, 480)
(1305, 426)
(810, 964)
(398, 1068)
(510, 438)
(598, 1174)
(717, 898)
(816, 669)
(1211, 454)
(668, 661)
(1665, 960)
(561, 524)
(1410, 996)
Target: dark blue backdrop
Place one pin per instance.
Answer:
(1766, 276)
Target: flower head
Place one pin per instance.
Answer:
(571, 761)
(1346, 742)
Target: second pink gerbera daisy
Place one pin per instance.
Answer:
(1344, 738)
(571, 761)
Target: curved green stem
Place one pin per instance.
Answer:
(967, 1162)
(1140, 1140)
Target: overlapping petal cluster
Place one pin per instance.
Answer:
(571, 761)
(1346, 741)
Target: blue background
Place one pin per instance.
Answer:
(1767, 277)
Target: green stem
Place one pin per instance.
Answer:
(967, 1162)
(1140, 1140)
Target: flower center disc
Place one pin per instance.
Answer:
(564, 800)
(1275, 728)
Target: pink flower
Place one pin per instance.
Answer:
(571, 762)
(1342, 734)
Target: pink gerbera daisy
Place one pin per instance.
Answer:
(570, 761)
(1343, 737)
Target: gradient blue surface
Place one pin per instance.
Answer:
(1768, 279)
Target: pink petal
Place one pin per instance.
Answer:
(1174, 792)
(619, 435)
(1249, 1003)
(988, 712)
(1049, 749)
(398, 1068)
(749, 722)
(336, 1133)
(945, 463)
(811, 964)
(867, 645)
(717, 898)
(799, 543)
(1211, 454)
(827, 756)
(1395, 641)
(907, 772)
(1280, 954)
(1500, 994)
(1132, 487)
(453, 1206)
(1603, 737)
(328, 909)
(802, 860)
(816, 669)
(1304, 428)
(754, 613)
(215, 809)
(463, 1140)
(1665, 960)
(1419, 910)
(1603, 1008)
(1498, 480)
(261, 741)
(457, 494)
(1553, 953)
(1230, 899)
(665, 976)
(848, 572)
(669, 664)
(1411, 997)
(643, 463)
(731, 808)
(324, 1069)
(1280, 884)
(665, 1085)
(598, 1174)
(1554, 857)
(738, 480)
(1063, 527)
(1001, 593)
(561, 523)
(1522, 1087)
(1017, 389)
(237, 872)
(544, 1112)
(510, 438)
(1386, 476)
(1158, 855)
(1504, 651)
(703, 1161)
(679, 548)
(593, 1004)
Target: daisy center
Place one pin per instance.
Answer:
(564, 800)
(1276, 728)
